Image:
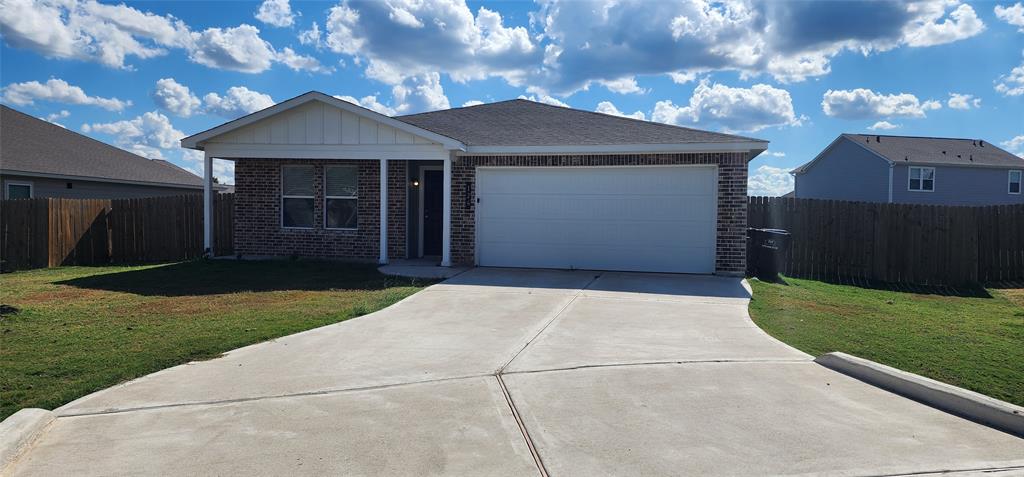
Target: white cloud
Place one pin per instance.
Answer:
(683, 77)
(883, 126)
(472, 102)
(276, 13)
(733, 109)
(774, 153)
(624, 85)
(54, 117)
(769, 181)
(544, 99)
(312, 37)
(607, 107)
(863, 103)
(58, 91)
(174, 97)
(145, 135)
(238, 101)
(1012, 84)
(963, 101)
(370, 102)
(1015, 145)
(1013, 15)
(927, 30)
(298, 62)
(237, 49)
(419, 93)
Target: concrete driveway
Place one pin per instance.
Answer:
(519, 372)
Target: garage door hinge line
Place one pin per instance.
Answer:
(522, 427)
(546, 325)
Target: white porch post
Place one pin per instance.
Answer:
(446, 220)
(383, 211)
(208, 203)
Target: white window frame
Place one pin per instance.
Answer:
(283, 196)
(1009, 181)
(354, 197)
(31, 188)
(935, 176)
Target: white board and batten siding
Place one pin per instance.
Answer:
(323, 131)
(654, 219)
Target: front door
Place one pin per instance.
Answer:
(433, 202)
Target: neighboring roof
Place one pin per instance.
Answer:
(521, 122)
(36, 147)
(929, 150)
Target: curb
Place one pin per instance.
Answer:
(970, 405)
(19, 431)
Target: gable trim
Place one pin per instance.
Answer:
(197, 141)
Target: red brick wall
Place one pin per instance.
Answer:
(732, 197)
(258, 228)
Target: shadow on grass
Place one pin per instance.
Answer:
(214, 277)
(964, 291)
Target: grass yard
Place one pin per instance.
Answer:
(81, 329)
(973, 342)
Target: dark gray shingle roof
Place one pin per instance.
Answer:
(937, 150)
(520, 122)
(29, 144)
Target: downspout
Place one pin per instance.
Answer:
(892, 165)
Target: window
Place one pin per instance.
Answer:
(18, 190)
(1014, 187)
(297, 196)
(341, 197)
(922, 179)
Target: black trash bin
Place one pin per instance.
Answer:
(767, 249)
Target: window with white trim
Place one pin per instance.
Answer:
(18, 190)
(297, 196)
(922, 179)
(341, 197)
(1014, 179)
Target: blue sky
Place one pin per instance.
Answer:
(141, 75)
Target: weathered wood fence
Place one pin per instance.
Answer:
(37, 233)
(900, 243)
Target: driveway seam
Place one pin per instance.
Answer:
(662, 363)
(522, 427)
(951, 471)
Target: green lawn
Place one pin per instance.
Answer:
(81, 329)
(973, 342)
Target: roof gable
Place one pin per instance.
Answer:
(315, 118)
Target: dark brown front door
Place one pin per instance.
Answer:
(433, 201)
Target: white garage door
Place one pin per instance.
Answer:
(656, 219)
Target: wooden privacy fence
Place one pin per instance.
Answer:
(36, 233)
(902, 243)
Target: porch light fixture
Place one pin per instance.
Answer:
(415, 183)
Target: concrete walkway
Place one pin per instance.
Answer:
(519, 372)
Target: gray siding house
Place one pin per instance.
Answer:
(39, 159)
(912, 170)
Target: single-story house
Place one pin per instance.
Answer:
(912, 170)
(41, 159)
(508, 184)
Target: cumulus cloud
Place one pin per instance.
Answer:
(237, 101)
(1013, 15)
(472, 102)
(606, 107)
(733, 109)
(276, 13)
(175, 97)
(934, 27)
(1012, 83)
(769, 181)
(145, 135)
(625, 85)
(774, 153)
(298, 62)
(312, 37)
(419, 93)
(54, 117)
(863, 103)
(544, 99)
(1015, 144)
(237, 49)
(58, 91)
(963, 101)
(883, 126)
(370, 102)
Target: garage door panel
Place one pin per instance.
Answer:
(658, 219)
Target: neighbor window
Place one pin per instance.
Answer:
(19, 190)
(297, 196)
(341, 197)
(1015, 177)
(922, 179)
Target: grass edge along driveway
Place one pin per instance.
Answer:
(82, 329)
(973, 342)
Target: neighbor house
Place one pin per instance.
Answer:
(912, 170)
(509, 184)
(40, 159)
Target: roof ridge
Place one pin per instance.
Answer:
(917, 137)
(459, 107)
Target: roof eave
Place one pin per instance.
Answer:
(50, 175)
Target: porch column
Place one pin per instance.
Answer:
(383, 212)
(446, 220)
(207, 203)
